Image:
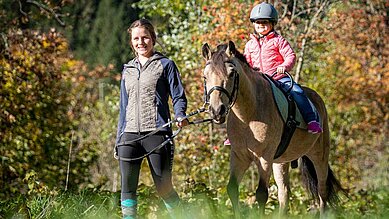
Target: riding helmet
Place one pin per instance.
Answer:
(264, 11)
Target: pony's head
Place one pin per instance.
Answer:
(221, 79)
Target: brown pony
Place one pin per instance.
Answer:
(236, 92)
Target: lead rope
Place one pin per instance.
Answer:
(169, 139)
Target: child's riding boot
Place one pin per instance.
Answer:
(314, 127)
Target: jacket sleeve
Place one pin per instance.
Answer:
(288, 54)
(177, 91)
(122, 109)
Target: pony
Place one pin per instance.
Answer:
(238, 94)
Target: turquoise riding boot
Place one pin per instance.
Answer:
(129, 208)
(173, 206)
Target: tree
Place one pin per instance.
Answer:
(299, 23)
(25, 14)
(354, 78)
(46, 96)
(38, 111)
(97, 31)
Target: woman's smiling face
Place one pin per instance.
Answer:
(142, 42)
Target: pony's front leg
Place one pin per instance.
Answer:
(233, 194)
(281, 176)
(238, 167)
(262, 194)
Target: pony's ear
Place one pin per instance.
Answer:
(231, 50)
(206, 52)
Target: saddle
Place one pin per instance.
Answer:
(290, 114)
(286, 106)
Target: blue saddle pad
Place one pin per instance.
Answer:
(282, 105)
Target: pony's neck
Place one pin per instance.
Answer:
(252, 95)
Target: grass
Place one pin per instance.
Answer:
(91, 203)
(86, 204)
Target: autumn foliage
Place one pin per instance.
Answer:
(50, 100)
(357, 92)
(44, 94)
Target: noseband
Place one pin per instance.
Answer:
(231, 96)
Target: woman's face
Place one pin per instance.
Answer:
(263, 27)
(142, 42)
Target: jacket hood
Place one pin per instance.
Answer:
(155, 56)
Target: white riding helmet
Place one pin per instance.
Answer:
(264, 11)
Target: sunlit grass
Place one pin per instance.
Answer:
(200, 204)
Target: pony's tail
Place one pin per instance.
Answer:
(310, 182)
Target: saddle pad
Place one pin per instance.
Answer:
(282, 105)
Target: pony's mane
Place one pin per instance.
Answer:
(218, 57)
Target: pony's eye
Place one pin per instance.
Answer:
(229, 64)
(231, 73)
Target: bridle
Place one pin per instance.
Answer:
(231, 96)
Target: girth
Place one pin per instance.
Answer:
(290, 124)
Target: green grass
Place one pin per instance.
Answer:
(86, 204)
(202, 204)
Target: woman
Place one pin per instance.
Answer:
(147, 82)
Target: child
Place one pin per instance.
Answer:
(271, 53)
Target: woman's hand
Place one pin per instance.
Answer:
(182, 122)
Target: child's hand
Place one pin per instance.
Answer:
(281, 70)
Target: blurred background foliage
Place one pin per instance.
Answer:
(59, 81)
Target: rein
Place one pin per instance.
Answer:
(292, 82)
(169, 139)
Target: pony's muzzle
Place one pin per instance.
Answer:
(218, 113)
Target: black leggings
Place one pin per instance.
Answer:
(160, 163)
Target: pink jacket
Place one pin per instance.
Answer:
(270, 52)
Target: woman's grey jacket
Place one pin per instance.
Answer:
(144, 95)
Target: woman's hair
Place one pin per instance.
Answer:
(145, 24)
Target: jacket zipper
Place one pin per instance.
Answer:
(138, 100)
(260, 54)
